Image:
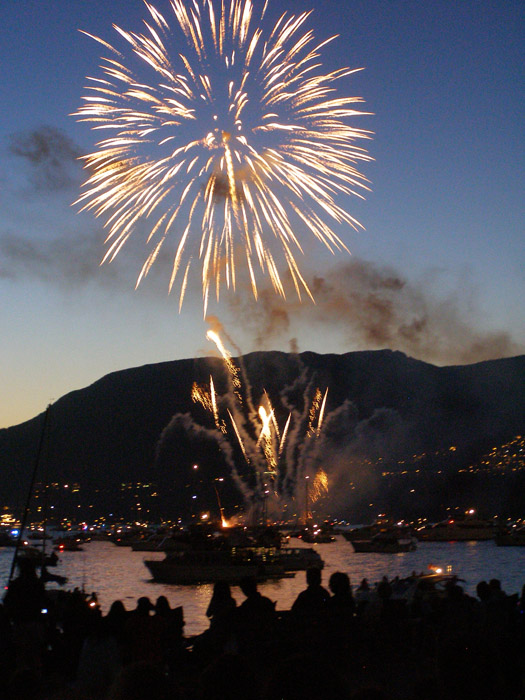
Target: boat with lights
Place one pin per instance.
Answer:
(462, 529)
(513, 536)
(388, 542)
(189, 567)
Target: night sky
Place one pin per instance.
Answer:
(439, 272)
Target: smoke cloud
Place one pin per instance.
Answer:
(183, 425)
(51, 155)
(374, 308)
(64, 260)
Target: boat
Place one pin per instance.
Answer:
(313, 534)
(37, 556)
(434, 583)
(365, 532)
(298, 558)
(464, 529)
(389, 542)
(68, 544)
(511, 537)
(39, 534)
(189, 567)
(381, 524)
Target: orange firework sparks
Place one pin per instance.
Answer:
(276, 458)
(319, 486)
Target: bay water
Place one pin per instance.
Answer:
(118, 573)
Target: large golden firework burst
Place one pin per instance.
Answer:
(229, 141)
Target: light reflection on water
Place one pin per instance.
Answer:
(118, 573)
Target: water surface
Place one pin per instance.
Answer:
(119, 573)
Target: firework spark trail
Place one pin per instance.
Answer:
(231, 140)
(208, 400)
(319, 486)
(305, 434)
(278, 460)
(245, 419)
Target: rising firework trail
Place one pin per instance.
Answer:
(276, 460)
(224, 136)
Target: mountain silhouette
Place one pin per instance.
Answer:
(121, 428)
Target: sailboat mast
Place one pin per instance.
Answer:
(30, 492)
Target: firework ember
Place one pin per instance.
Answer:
(225, 137)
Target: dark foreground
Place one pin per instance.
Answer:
(334, 645)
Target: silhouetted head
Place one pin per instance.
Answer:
(483, 590)
(26, 567)
(384, 590)
(144, 605)
(162, 606)
(339, 583)
(313, 576)
(117, 609)
(221, 590)
(248, 585)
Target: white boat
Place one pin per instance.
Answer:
(469, 528)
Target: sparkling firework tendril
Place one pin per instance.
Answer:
(235, 145)
(277, 460)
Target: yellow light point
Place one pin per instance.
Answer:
(185, 158)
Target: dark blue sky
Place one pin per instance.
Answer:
(445, 218)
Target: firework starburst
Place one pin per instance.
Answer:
(224, 138)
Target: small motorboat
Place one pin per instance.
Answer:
(511, 537)
(68, 544)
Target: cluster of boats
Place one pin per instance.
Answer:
(385, 537)
(209, 554)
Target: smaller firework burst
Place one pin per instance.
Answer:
(276, 458)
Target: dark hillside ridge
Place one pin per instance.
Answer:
(107, 433)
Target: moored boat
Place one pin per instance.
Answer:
(67, 544)
(468, 528)
(511, 537)
(209, 566)
(389, 542)
(298, 558)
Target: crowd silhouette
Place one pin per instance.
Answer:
(333, 643)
